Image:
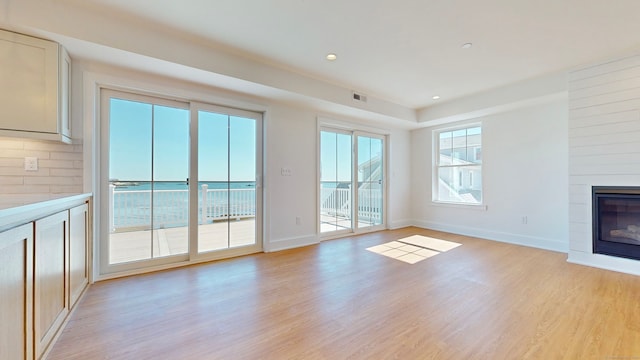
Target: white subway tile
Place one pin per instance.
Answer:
(25, 189)
(58, 164)
(49, 180)
(66, 172)
(60, 171)
(12, 162)
(71, 189)
(11, 180)
(48, 146)
(11, 144)
(65, 156)
(19, 171)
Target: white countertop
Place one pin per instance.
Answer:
(23, 214)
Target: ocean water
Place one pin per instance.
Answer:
(179, 185)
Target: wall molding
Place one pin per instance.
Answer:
(505, 237)
(399, 224)
(291, 243)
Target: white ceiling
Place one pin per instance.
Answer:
(403, 51)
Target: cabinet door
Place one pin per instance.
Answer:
(29, 78)
(64, 95)
(78, 264)
(51, 302)
(16, 293)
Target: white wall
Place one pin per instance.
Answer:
(524, 174)
(604, 147)
(292, 142)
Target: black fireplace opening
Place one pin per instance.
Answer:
(616, 221)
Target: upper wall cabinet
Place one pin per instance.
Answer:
(34, 88)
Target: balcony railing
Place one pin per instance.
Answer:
(132, 209)
(337, 202)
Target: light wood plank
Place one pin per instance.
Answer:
(336, 300)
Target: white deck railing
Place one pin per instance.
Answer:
(132, 209)
(337, 202)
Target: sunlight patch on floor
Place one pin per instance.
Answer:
(413, 249)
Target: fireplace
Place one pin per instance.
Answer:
(616, 221)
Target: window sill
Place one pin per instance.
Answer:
(480, 207)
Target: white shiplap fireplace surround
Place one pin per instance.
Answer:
(604, 148)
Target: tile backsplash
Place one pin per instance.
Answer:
(59, 171)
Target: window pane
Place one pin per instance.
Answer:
(213, 171)
(343, 158)
(376, 157)
(241, 188)
(335, 181)
(459, 166)
(445, 148)
(328, 158)
(213, 147)
(130, 155)
(170, 173)
(460, 184)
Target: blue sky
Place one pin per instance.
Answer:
(336, 159)
(134, 142)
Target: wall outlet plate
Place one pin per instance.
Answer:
(31, 164)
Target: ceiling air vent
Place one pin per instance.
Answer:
(359, 97)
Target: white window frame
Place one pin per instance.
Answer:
(436, 166)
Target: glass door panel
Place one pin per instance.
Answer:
(242, 181)
(227, 168)
(213, 183)
(335, 181)
(148, 165)
(370, 181)
(169, 187)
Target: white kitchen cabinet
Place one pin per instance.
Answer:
(35, 83)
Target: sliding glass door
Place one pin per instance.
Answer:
(336, 181)
(180, 184)
(352, 168)
(370, 155)
(228, 185)
(148, 165)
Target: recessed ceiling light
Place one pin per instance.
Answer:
(331, 56)
(467, 45)
(436, 97)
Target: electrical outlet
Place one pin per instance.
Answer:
(31, 164)
(285, 171)
(297, 220)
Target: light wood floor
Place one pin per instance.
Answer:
(481, 300)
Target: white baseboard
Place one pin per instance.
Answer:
(398, 224)
(290, 243)
(531, 241)
(606, 262)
